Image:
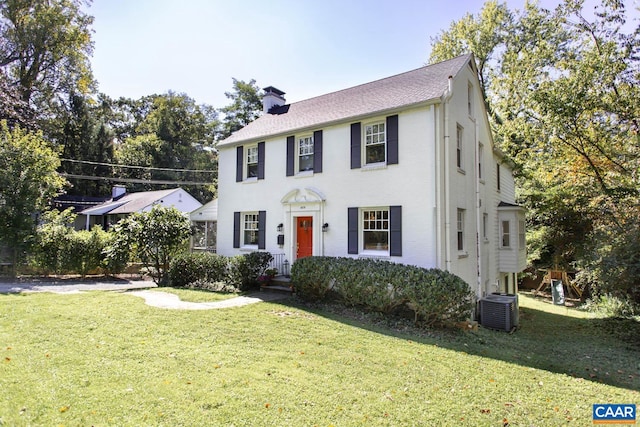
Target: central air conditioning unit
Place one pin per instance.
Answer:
(499, 312)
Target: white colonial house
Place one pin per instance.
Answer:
(401, 169)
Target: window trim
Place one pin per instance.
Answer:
(485, 226)
(298, 141)
(460, 147)
(522, 238)
(460, 226)
(355, 229)
(244, 229)
(249, 149)
(505, 233)
(239, 224)
(362, 230)
(371, 124)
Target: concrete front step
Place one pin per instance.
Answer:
(279, 284)
(277, 288)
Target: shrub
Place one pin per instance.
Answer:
(239, 272)
(85, 251)
(435, 296)
(53, 241)
(310, 285)
(116, 252)
(197, 268)
(245, 269)
(155, 237)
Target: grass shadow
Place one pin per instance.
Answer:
(569, 343)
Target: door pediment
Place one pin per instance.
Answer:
(305, 195)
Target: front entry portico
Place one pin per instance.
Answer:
(303, 211)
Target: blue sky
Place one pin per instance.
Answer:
(304, 47)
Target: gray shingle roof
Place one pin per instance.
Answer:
(129, 203)
(410, 88)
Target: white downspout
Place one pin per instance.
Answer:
(479, 243)
(447, 176)
(86, 226)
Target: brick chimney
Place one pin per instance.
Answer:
(272, 98)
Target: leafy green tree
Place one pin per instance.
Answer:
(564, 91)
(12, 108)
(85, 138)
(155, 237)
(483, 35)
(166, 131)
(28, 179)
(45, 49)
(245, 107)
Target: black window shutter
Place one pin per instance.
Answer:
(291, 155)
(239, 163)
(352, 227)
(395, 230)
(260, 160)
(392, 140)
(317, 151)
(236, 229)
(262, 223)
(356, 156)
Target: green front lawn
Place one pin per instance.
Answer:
(103, 358)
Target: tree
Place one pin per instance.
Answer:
(564, 93)
(246, 106)
(482, 35)
(167, 131)
(85, 138)
(28, 179)
(12, 108)
(45, 48)
(155, 237)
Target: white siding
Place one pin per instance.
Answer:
(409, 184)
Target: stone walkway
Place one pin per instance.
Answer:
(139, 289)
(73, 286)
(171, 301)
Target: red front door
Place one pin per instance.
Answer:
(304, 239)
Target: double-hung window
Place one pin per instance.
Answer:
(506, 234)
(460, 229)
(521, 235)
(375, 143)
(305, 153)
(252, 161)
(459, 147)
(375, 229)
(250, 229)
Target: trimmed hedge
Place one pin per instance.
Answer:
(435, 296)
(196, 268)
(200, 268)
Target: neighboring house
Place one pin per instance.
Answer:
(122, 204)
(205, 222)
(401, 169)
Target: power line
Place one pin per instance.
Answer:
(133, 180)
(138, 167)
